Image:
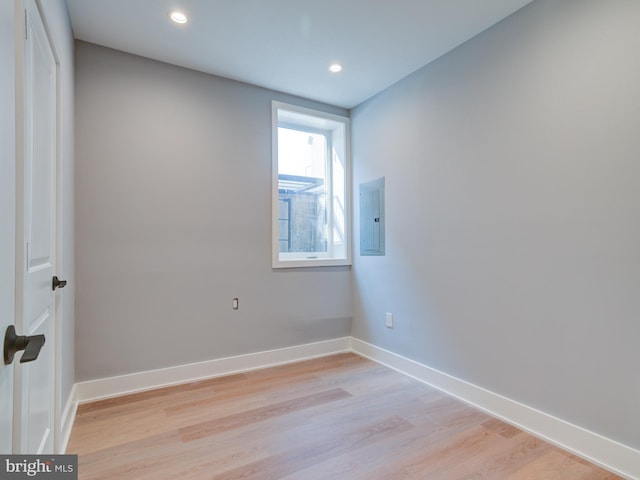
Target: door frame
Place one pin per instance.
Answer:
(7, 215)
(20, 251)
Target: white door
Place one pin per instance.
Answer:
(34, 394)
(7, 212)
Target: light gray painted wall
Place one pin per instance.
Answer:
(173, 205)
(513, 213)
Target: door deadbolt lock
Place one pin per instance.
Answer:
(14, 343)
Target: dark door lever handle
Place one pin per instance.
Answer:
(14, 343)
(57, 283)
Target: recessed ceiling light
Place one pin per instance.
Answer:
(177, 16)
(335, 68)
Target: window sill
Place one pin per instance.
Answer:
(315, 262)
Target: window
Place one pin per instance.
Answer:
(310, 188)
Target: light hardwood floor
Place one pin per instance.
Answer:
(338, 417)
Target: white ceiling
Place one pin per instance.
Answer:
(287, 45)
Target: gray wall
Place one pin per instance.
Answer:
(59, 26)
(513, 221)
(173, 209)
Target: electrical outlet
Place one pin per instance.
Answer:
(389, 321)
(235, 304)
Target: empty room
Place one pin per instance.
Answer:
(350, 239)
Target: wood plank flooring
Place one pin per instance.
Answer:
(337, 417)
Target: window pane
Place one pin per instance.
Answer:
(302, 191)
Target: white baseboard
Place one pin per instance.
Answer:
(67, 419)
(136, 382)
(612, 455)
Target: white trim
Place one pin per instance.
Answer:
(612, 455)
(336, 126)
(68, 417)
(136, 382)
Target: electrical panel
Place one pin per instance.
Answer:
(372, 217)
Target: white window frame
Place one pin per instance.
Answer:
(338, 133)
